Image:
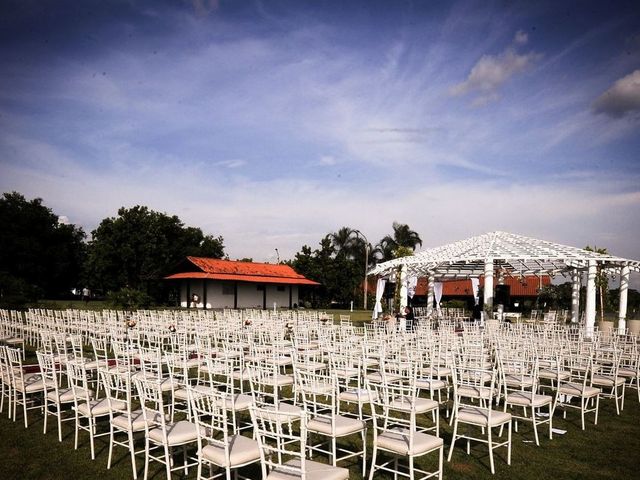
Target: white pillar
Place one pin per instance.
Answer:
(501, 305)
(624, 288)
(590, 308)
(430, 288)
(575, 296)
(488, 284)
(403, 287)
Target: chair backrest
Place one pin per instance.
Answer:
(117, 387)
(48, 369)
(281, 437)
(79, 382)
(154, 410)
(393, 406)
(209, 412)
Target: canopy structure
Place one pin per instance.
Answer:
(504, 253)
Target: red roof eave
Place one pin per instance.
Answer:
(240, 278)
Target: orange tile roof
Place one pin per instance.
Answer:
(215, 269)
(525, 287)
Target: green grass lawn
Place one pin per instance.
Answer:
(608, 450)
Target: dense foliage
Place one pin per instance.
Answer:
(39, 256)
(125, 259)
(138, 247)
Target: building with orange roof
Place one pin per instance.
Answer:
(215, 283)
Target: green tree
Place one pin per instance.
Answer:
(338, 275)
(402, 236)
(39, 256)
(137, 248)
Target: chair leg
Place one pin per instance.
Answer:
(509, 445)
(489, 442)
(440, 458)
(373, 463)
(453, 442)
(535, 425)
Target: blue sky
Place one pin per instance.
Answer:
(273, 123)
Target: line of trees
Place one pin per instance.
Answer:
(126, 256)
(339, 262)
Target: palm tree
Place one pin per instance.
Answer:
(403, 236)
(344, 241)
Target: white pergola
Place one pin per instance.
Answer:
(501, 253)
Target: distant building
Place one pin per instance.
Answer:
(514, 294)
(213, 283)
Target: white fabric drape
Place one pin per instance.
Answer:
(437, 291)
(412, 283)
(377, 309)
(475, 287)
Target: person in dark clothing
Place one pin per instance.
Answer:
(410, 318)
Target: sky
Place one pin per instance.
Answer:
(273, 123)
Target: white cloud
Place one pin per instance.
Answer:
(327, 161)
(520, 38)
(622, 98)
(237, 163)
(491, 72)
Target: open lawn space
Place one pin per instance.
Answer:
(608, 450)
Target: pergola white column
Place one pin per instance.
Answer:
(590, 308)
(575, 296)
(403, 287)
(488, 284)
(430, 295)
(624, 289)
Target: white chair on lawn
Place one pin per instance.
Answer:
(396, 432)
(474, 390)
(57, 396)
(85, 406)
(216, 447)
(118, 387)
(283, 446)
(320, 398)
(160, 433)
(27, 388)
(580, 366)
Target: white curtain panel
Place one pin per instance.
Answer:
(377, 309)
(412, 283)
(475, 285)
(437, 292)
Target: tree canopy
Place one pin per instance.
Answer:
(403, 237)
(136, 248)
(39, 255)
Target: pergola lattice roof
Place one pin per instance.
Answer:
(514, 254)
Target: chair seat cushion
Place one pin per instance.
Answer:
(480, 416)
(420, 405)
(242, 450)
(526, 399)
(342, 425)
(357, 396)
(577, 390)
(378, 377)
(137, 421)
(97, 408)
(514, 380)
(607, 381)
(397, 441)
(430, 383)
(65, 395)
(552, 374)
(177, 433)
(469, 391)
(314, 471)
(627, 372)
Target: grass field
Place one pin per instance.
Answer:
(608, 450)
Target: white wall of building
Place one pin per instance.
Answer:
(221, 294)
